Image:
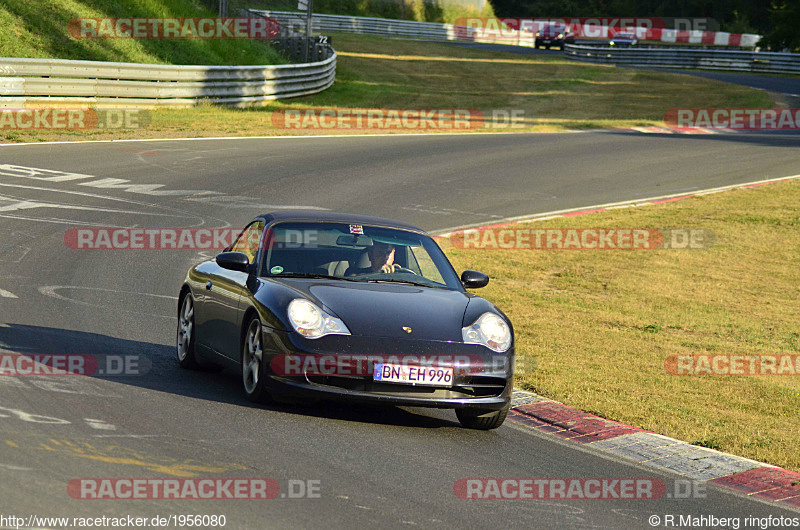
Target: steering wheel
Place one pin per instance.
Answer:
(403, 269)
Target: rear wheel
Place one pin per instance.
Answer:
(481, 420)
(185, 337)
(252, 363)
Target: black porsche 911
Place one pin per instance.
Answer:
(328, 305)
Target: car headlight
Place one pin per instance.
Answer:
(560, 35)
(537, 33)
(312, 322)
(489, 330)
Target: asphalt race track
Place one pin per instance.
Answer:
(390, 468)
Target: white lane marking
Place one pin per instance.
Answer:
(50, 290)
(214, 197)
(25, 204)
(15, 468)
(48, 175)
(103, 197)
(33, 418)
(64, 385)
(446, 232)
(127, 186)
(100, 424)
(7, 294)
(127, 435)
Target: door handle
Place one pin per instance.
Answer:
(208, 285)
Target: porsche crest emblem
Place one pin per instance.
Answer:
(407, 329)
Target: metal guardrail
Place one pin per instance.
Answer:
(410, 29)
(294, 21)
(689, 58)
(46, 81)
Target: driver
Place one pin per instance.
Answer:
(381, 258)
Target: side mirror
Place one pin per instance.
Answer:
(234, 261)
(474, 279)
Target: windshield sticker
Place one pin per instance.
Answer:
(277, 269)
(356, 229)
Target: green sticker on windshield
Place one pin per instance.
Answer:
(277, 269)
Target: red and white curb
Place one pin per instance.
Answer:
(681, 130)
(623, 442)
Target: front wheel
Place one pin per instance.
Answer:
(185, 339)
(481, 420)
(253, 363)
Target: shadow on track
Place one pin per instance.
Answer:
(158, 370)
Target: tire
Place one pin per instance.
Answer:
(253, 370)
(482, 421)
(184, 348)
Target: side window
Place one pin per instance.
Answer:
(249, 240)
(426, 265)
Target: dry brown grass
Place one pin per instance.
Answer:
(598, 325)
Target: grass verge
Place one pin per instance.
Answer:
(374, 72)
(39, 29)
(598, 325)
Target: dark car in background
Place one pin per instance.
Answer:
(327, 305)
(624, 39)
(553, 35)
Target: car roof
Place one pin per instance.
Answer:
(336, 217)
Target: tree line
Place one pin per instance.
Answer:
(777, 20)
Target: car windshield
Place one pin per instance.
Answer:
(624, 36)
(355, 253)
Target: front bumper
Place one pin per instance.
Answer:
(482, 379)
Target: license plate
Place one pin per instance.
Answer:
(413, 375)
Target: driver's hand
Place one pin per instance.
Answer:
(390, 268)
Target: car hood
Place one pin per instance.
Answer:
(384, 309)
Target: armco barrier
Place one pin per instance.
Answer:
(410, 29)
(689, 58)
(32, 82)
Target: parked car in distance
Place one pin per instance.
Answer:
(624, 40)
(553, 35)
